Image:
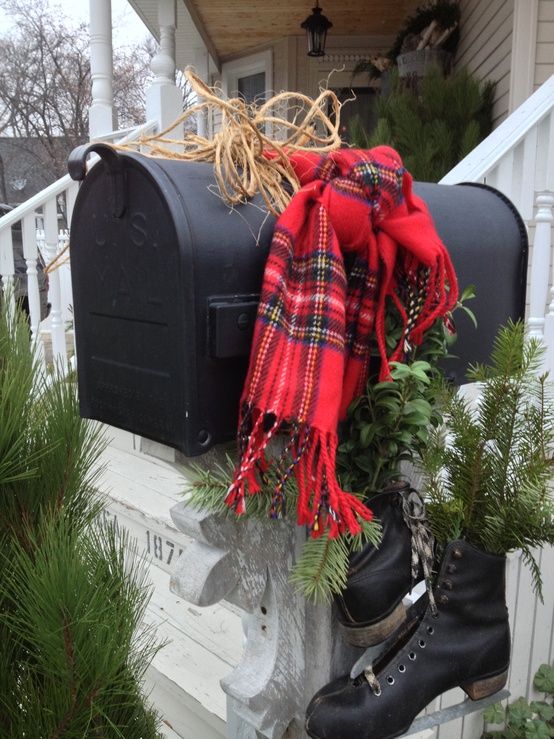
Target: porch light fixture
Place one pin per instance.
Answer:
(316, 26)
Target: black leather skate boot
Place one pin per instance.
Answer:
(371, 608)
(463, 640)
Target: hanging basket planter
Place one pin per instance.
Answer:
(416, 63)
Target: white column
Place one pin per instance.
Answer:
(202, 68)
(101, 116)
(164, 101)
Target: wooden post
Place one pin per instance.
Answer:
(164, 101)
(202, 65)
(101, 115)
(291, 646)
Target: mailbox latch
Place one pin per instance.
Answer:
(231, 325)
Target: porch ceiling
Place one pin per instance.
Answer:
(229, 28)
(235, 25)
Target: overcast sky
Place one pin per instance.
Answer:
(127, 26)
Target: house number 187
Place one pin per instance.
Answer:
(155, 545)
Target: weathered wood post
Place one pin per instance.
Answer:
(291, 646)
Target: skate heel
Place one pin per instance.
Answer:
(478, 689)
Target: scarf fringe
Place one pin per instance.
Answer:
(439, 301)
(323, 507)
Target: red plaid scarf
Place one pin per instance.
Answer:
(311, 346)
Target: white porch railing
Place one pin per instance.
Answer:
(518, 159)
(42, 237)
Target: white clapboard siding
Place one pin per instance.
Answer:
(485, 46)
(544, 65)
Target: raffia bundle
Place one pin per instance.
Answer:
(247, 130)
(236, 149)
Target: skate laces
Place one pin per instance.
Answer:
(415, 517)
(372, 680)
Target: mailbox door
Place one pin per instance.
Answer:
(133, 304)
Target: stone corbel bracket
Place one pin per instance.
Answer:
(290, 648)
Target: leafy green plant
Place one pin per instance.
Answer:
(72, 656)
(488, 468)
(434, 126)
(391, 421)
(524, 719)
(385, 425)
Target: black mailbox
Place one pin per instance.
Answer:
(166, 279)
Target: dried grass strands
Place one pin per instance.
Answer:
(237, 149)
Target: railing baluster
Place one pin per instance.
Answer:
(7, 266)
(527, 198)
(543, 246)
(59, 349)
(30, 252)
(540, 264)
(504, 179)
(70, 197)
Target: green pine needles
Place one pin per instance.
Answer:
(488, 468)
(432, 127)
(72, 653)
(322, 568)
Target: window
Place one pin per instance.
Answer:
(358, 103)
(250, 77)
(252, 87)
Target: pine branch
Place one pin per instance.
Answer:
(487, 474)
(322, 570)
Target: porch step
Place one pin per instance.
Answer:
(140, 494)
(202, 644)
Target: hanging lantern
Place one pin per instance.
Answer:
(316, 26)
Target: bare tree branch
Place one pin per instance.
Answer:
(45, 81)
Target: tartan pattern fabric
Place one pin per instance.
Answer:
(352, 237)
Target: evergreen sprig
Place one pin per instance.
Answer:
(321, 570)
(433, 127)
(72, 656)
(488, 469)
